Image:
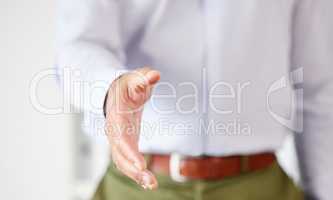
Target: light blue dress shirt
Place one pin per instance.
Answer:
(237, 76)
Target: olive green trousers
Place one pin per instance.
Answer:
(267, 184)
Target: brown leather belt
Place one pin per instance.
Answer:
(208, 167)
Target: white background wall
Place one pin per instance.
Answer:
(35, 161)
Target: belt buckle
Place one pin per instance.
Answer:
(175, 161)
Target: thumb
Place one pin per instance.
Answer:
(139, 87)
(153, 77)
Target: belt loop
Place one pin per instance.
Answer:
(244, 163)
(147, 159)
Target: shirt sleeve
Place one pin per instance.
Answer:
(90, 51)
(312, 51)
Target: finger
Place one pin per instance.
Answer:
(140, 85)
(147, 179)
(137, 92)
(146, 76)
(128, 146)
(150, 180)
(125, 166)
(143, 177)
(153, 76)
(143, 70)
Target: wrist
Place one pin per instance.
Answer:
(107, 95)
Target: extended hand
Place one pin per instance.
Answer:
(126, 98)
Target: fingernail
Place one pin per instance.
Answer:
(150, 186)
(146, 181)
(144, 187)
